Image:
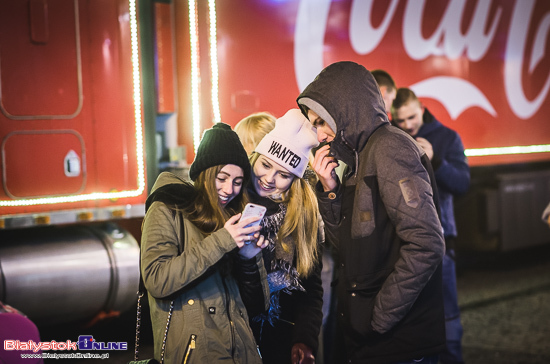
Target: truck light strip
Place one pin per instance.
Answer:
(482, 152)
(195, 73)
(214, 61)
(137, 100)
(139, 140)
(18, 221)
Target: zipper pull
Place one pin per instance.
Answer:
(259, 353)
(190, 347)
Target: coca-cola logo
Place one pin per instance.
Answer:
(449, 40)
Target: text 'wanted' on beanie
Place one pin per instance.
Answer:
(290, 142)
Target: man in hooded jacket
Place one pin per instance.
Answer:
(383, 219)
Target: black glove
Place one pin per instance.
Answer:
(301, 354)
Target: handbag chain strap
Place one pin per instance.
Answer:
(138, 318)
(166, 332)
(138, 327)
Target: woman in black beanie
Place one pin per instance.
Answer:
(195, 253)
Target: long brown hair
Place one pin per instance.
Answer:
(206, 212)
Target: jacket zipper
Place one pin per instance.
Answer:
(190, 347)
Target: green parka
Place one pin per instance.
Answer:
(209, 323)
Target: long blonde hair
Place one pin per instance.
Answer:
(301, 222)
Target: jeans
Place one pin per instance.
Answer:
(453, 326)
(326, 276)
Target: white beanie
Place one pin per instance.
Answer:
(290, 142)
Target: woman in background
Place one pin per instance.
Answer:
(253, 128)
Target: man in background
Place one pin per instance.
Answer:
(452, 174)
(387, 88)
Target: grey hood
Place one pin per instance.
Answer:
(345, 94)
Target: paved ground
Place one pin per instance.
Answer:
(504, 300)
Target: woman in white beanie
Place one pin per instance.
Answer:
(289, 331)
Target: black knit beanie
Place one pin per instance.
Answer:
(219, 145)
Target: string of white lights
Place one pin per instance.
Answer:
(195, 75)
(527, 149)
(214, 61)
(139, 139)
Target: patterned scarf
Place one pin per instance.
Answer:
(282, 274)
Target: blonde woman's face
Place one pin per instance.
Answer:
(229, 182)
(269, 178)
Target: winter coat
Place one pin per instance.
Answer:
(295, 315)
(179, 263)
(450, 165)
(384, 222)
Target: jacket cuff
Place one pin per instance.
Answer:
(248, 265)
(329, 203)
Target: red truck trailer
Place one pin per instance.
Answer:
(72, 147)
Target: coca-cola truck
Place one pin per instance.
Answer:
(98, 96)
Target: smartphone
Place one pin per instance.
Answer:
(251, 209)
